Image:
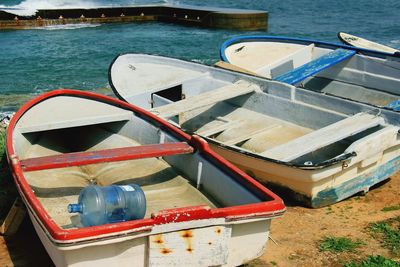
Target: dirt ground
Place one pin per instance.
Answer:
(298, 233)
(295, 236)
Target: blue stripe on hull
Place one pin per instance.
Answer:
(395, 105)
(356, 185)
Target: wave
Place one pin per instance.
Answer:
(68, 26)
(29, 7)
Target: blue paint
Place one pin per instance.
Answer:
(356, 185)
(395, 105)
(315, 66)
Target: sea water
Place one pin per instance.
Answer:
(78, 56)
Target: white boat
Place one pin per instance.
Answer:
(359, 42)
(201, 210)
(322, 148)
(345, 71)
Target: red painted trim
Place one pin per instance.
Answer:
(272, 206)
(107, 155)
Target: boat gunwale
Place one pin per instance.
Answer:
(114, 89)
(267, 209)
(317, 166)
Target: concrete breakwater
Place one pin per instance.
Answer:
(181, 14)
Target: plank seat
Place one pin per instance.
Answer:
(323, 137)
(106, 155)
(300, 73)
(208, 98)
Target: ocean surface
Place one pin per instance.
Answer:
(78, 56)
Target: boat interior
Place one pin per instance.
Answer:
(266, 118)
(352, 76)
(74, 148)
(278, 129)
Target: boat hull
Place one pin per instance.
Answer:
(359, 42)
(317, 187)
(148, 248)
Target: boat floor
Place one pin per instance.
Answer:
(247, 129)
(56, 188)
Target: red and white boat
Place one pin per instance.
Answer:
(201, 210)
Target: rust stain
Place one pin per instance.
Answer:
(165, 251)
(187, 237)
(218, 230)
(209, 243)
(158, 239)
(187, 234)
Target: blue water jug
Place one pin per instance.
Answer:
(99, 205)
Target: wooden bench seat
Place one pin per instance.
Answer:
(106, 155)
(323, 137)
(208, 98)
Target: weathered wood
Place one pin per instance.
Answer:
(14, 218)
(208, 98)
(323, 137)
(228, 66)
(107, 155)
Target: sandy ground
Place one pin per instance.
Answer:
(295, 236)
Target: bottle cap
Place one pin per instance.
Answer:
(72, 208)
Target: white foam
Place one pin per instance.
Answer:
(29, 7)
(68, 26)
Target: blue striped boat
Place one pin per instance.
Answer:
(353, 73)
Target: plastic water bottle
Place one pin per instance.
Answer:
(99, 205)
